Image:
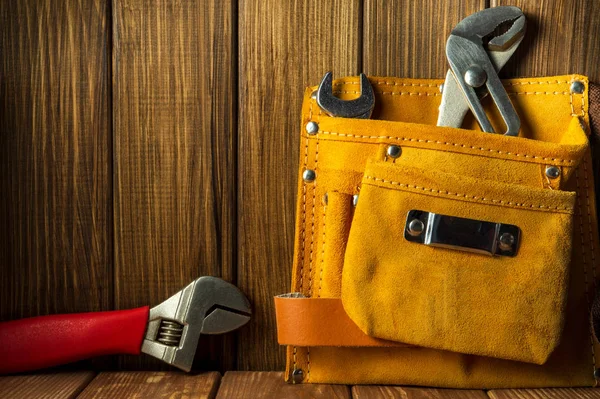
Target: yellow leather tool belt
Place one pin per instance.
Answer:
(446, 257)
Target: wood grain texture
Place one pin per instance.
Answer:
(407, 38)
(562, 38)
(175, 141)
(554, 393)
(267, 385)
(381, 391)
(56, 386)
(152, 385)
(285, 46)
(55, 151)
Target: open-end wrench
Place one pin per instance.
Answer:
(169, 331)
(475, 56)
(361, 107)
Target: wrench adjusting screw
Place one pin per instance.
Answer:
(475, 76)
(309, 175)
(506, 241)
(312, 128)
(170, 332)
(394, 151)
(552, 172)
(415, 227)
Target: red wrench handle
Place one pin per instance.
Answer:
(45, 341)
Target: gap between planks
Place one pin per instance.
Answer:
(239, 385)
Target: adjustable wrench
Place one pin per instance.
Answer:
(475, 55)
(169, 331)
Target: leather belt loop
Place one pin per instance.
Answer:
(313, 322)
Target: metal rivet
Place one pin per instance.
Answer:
(297, 376)
(577, 87)
(552, 172)
(506, 241)
(475, 76)
(394, 151)
(313, 95)
(355, 200)
(325, 199)
(309, 175)
(597, 374)
(312, 128)
(415, 227)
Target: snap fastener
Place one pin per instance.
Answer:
(552, 172)
(506, 241)
(394, 151)
(355, 200)
(309, 175)
(415, 227)
(312, 128)
(297, 376)
(577, 87)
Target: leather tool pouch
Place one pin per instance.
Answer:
(438, 256)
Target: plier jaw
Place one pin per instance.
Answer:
(475, 55)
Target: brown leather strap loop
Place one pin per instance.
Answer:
(319, 322)
(596, 315)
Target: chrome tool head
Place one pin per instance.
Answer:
(361, 107)
(476, 51)
(208, 305)
(484, 23)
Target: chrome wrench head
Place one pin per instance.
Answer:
(361, 107)
(468, 49)
(208, 305)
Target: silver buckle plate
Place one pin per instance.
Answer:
(469, 235)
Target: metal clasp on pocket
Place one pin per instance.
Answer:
(462, 234)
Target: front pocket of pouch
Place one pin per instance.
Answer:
(509, 307)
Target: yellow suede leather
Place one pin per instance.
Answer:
(348, 157)
(335, 236)
(506, 307)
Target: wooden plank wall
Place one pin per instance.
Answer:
(144, 143)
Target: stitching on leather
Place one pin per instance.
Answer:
(437, 85)
(322, 251)
(312, 237)
(400, 93)
(444, 143)
(589, 213)
(522, 93)
(294, 352)
(420, 93)
(475, 198)
(303, 226)
(308, 365)
(592, 249)
(312, 226)
(584, 263)
(383, 83)
(550, 82)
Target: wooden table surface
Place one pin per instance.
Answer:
(145, 143)
(239, 385)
